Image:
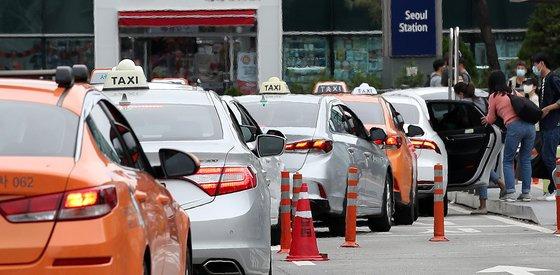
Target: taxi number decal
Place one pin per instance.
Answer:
(17, 182)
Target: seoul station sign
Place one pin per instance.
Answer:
(413, 28)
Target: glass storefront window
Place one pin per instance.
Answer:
(306, 59)
(218, 61)
(357, 55)
(22, 16)
(20, 54)
(69, 51)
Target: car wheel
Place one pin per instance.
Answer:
(146, 267)
(270, 268)
(404, 214)
(383, 223)
(189, 265)
(276, 233)
(337, 225)
(416, 205)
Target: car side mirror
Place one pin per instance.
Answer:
(414, 131)
(269, 145)
(249, 133)
(275, 133)
(377, 135)
(177, 164)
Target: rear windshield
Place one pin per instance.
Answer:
(284, 114)
(173, 122)
(368, 112)
(33, 129)
(408, 111)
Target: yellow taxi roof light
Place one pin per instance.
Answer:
(126, 75)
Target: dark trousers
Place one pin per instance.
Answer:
(550, 140)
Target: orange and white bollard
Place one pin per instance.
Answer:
(297, 179)
(557, 182)
(285, 216)
(439, 195)
(351, 205)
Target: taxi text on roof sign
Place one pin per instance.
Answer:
(274, 86)
(364, 89)
(330, 87)
(125, 76)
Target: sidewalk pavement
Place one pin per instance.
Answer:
(539, 212)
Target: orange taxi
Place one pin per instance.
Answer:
(374, 111)
(77, 194)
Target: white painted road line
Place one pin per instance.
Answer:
(302, 263)
(459, 209)
(521, 224)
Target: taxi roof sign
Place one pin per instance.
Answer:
(364, 89)
(330, 87)
(126, 75)
(274, 86)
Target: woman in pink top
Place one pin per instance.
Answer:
(518, 132)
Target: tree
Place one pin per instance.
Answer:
(543, 34)
(487, 36)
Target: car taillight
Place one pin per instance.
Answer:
(76, 204)
(393, 142)
(425, 144)
(218, 181)
(319, 145)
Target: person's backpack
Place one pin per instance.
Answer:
(525, 109)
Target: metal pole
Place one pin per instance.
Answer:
(456, 56)
(450, 65)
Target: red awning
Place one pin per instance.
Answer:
(187, 18)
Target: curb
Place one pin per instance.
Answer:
(514, 210)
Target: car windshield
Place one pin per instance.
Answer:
(368, 112)
(408, 111)
(173, 122)
(284, 114)
(33, 129)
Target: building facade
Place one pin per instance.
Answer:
(234, 43)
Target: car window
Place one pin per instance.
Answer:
(33, 129)
(448, 116)
(409, 112)
(284, 114)
(354, 125)
(129, 139)
(105, 136)
(336, 120)
(368, 112)
(173, 122)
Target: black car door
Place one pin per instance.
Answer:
(471, 147)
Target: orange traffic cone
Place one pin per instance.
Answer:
(304, 243)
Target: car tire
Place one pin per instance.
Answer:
(189, 265)
(146, 267)
(383, 223)
(404, 214)
(270, 267)
(276, 233)
(416, 205)
(427, 206)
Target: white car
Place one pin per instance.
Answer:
(468, 150)
(272, 166)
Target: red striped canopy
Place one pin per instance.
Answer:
(187, 18)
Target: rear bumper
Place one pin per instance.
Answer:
(233, 227)
(96, 238)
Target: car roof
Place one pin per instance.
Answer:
(303, 98)
(44, 92)
(436, 92)
(161, 93)
(358, 98)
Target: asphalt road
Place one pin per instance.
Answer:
(492, 244)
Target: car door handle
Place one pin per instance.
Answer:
(163, 199)
(351, 150)
(140, 196)
(367, 154)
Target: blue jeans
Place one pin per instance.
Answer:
(550, 138)
(518, 132)
(483, 190)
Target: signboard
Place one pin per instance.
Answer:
(335, 87)
(247, 72)
(413, 27)
(364, 89)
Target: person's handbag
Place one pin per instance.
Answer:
(525, 109)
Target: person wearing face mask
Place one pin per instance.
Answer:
(465, 92)
(550, 122)
(516, 81)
